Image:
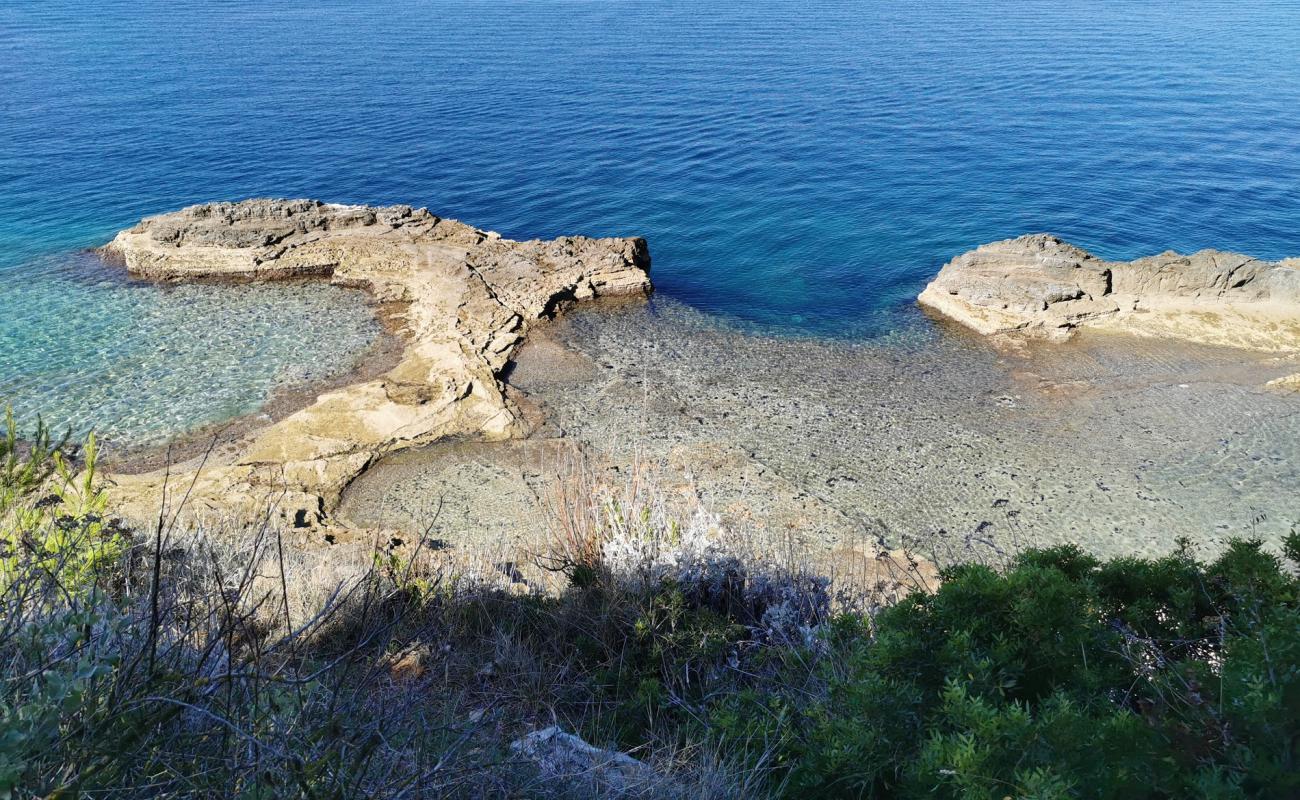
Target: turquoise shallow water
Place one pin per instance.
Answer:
(800, 167)
(137, 363)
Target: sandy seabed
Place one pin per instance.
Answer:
(933, 437)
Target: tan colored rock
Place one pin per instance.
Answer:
(1038, 285)
(571, 766)
(1288, 383)
(467, 296)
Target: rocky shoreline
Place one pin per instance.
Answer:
(1040, 286)
(127, 458)
(937, 438)
(940, 439)
(466, 296)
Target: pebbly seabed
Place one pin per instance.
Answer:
(938, 438)
(932, 437)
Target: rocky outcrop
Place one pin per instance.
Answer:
(1287, 383)
(465, 300)
(1040, 285)
(572, 767)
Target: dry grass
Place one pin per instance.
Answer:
(224, 662)
(232, 661)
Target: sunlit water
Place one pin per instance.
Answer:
(797, 167)
(87, 349)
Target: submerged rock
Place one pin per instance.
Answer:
(464, 300)
(1040, 285)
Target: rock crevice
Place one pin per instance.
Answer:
(467, 296)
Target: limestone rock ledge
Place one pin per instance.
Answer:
(467, 297)
(1038, 285)
(1287, 383)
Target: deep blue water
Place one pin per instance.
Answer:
(803, 166)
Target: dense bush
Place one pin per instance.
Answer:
(1058, 677)
(156, 664)
(132, 666)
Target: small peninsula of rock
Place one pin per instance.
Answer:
(1040, 285)
(465, 299)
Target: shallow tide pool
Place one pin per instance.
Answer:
(86, 348)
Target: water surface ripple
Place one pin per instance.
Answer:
(796, 166)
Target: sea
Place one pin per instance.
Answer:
(800, 169)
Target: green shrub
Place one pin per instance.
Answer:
(1059, 677)
(52, 515)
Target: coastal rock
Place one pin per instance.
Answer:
(570, 762)
(465, 297)
(1288, 383)
(1038, 285)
